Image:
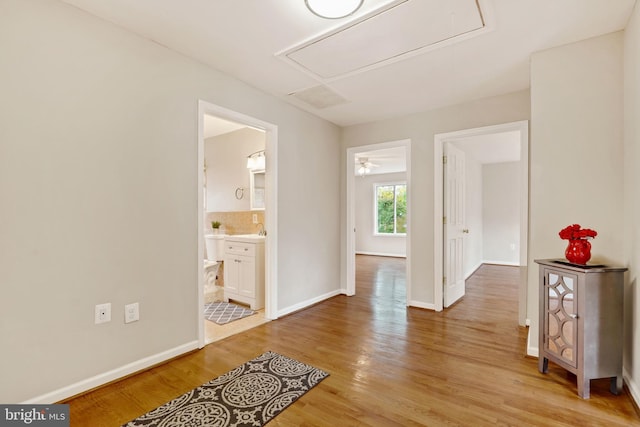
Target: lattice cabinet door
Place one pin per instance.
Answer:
(561, 316)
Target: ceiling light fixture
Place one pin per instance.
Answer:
(333, 9)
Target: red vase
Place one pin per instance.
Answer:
(578, 251)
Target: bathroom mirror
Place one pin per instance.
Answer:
(256, 185)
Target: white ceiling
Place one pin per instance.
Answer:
(494, 148)
(366, 42)
(250, 39)
(214, 126)
(387, 160)
(485, 149)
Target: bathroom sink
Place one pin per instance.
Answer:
(246, 238)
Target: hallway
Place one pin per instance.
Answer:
(388, 364)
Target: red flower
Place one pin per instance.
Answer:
(574, 231)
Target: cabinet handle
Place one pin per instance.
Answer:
(246, 249)
(573, 316)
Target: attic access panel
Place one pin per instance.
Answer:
(401, 29)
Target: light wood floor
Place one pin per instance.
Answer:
(389, 366)
(214, 332)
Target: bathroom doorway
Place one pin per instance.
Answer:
(227, 205)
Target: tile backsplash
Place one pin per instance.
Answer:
(234, 222)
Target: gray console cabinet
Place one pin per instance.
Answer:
(581, 321)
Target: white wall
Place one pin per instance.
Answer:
(632, 202)
(576, 153)
(473, 210)
(226, 159)
(98, 183)
(501, 213)
(366, 241)
(421, 128)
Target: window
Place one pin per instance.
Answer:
(391, 208)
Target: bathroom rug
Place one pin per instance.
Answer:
(225, 312)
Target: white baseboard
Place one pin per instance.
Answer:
(420, 304)
(532, 351)
(381, 254)
(634, 390)
(114, 374)
(473, 270)
(514, 264)
(309, 302)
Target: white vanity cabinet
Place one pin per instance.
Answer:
(244, 270)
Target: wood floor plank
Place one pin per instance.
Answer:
(389, 365)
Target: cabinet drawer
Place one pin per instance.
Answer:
(240, 248)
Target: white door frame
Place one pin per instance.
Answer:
(350, 271)
(439, 140)
(271, 211)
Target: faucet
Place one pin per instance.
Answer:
(262, 231)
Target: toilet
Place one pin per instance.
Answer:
(215, 253)
(215, 246)
(212, 292)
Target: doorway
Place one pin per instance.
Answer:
(355, 161)
(270, 200)
(478, 135)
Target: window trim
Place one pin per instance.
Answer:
(375, 208)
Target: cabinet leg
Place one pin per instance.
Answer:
(543, 365)
(584, 387)
(616, 385)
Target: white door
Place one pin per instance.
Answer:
(454, 224)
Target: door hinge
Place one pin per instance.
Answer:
(444, 219)
(444, 160)
(444, 280)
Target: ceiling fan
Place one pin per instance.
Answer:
(364, 165)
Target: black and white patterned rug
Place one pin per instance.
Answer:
(225, 312)
(249, 395)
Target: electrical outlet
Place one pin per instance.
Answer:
(255, 218)
(103, 313)
(131, 312)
